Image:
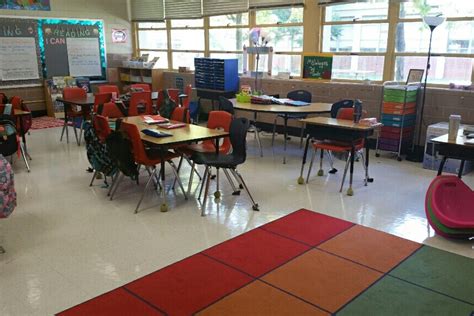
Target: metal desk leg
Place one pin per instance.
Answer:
(367, 152)
(285, 134)
(164, 206)
(441, 165)
(350, 192)
(65, 127)
(301, 179)
(461, 169)
(23, 139)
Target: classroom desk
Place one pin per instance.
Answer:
(183, 135)
(83, 103)
(285, 110)
(455, 149)
(323, 128)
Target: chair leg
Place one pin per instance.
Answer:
(311, 165)
(206, 191)
(22, 151)
(116, 186)
(177, 179)
(193, 167)
(206, 175)
(80, 133)
(274, 131)
(237, 174)
(217, 194)
(234, 189)
(144, 191)
(93, 178)
(62, 132)
(114, 182)
(259, 143)
(179, 168)
(366, 179)
(321, 171)
(345, 172)
(190, 182)
(75, 130)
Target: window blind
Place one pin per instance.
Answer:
(183, 9)
(147, 10)
(220, 7)
(262, 4)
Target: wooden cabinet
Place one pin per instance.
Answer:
(154, 77)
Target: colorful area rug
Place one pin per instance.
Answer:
(302, 264)
(46, 122)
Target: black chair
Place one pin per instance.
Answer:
(226, 105)
(340, 105)
(237, 134)
(297, 95)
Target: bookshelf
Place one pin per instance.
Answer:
(154, 77)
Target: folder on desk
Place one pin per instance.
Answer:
(172, 125)
(154, 119)
(154, 133)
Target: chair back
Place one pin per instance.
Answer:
(340, 105)
(140, 99)
(174, 95)
(138, 148)
(74, 93)
(181, 114)
(345, 114)
(238, 139)
(109, 88)
(220, 120)
(300, 95)
(102, 128)
(120, 149)
(145, 87)
(188, 91)
(101, 98)
(226, 105)
(111, 110)
(16, 102)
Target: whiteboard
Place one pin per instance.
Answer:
(84, 57)
(18, 59)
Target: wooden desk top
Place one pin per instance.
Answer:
(460, 140)
(187, 134)
(284, 109)
(87, 101)
(343, 124)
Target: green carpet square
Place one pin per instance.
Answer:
(441, 271)
(391, 296)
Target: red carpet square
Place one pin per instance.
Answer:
(117, 302)
(189, 285)
(370, 247)
(322, 279)
(308, 227)
(257, 251)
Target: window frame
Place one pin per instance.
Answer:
(136, 42)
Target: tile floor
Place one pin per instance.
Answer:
(66, 242)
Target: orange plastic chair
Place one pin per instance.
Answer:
(181, 114)
(101, 98)
(149, 159)
(143, 86)
(102, 128)
(140, 99)
(109, 88)
(339, 147)
(111, 110)
(174, 95)
(72, 113)
(186, 96)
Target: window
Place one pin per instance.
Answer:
(227, 36)
(153, 40)
(187, 42)
(285, 26)
(452, 41)
(357, 35)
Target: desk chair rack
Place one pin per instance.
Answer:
(398, 115)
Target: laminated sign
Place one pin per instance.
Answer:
(317, 66)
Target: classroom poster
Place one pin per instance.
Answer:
(84, 57)
(18, 59)
(42, 5)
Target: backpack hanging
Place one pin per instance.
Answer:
(7, 189)
(9, 140)
(167, 107)
(97, 153)
(119, 147)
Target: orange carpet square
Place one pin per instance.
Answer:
(323, 279)
(370, 247)
(116, 302)
(308, 227)
(257, 251)
(189, 285)
(259, 298)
